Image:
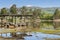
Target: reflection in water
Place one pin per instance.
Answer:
(50, 25)
(56, 25)
(47, 25)
(38, 35)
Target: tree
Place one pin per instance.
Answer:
(36, 13)
(46, 16)
(29, 12)
(4, 11)
(56, 14)
(23, 10)
(13, 9)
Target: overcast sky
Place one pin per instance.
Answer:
(40, 3)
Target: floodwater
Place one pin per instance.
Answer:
(39, 35)
(36, 36)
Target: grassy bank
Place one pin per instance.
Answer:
(29, 30)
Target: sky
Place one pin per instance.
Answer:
(39, 3)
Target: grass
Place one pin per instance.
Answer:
(30, 30)
(47, 31)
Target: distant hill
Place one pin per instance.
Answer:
(49, 9)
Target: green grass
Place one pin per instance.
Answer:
(47, 31)
(32, 30)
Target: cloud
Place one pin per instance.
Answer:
(29, 5)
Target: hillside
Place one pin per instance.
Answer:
(49, 9)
